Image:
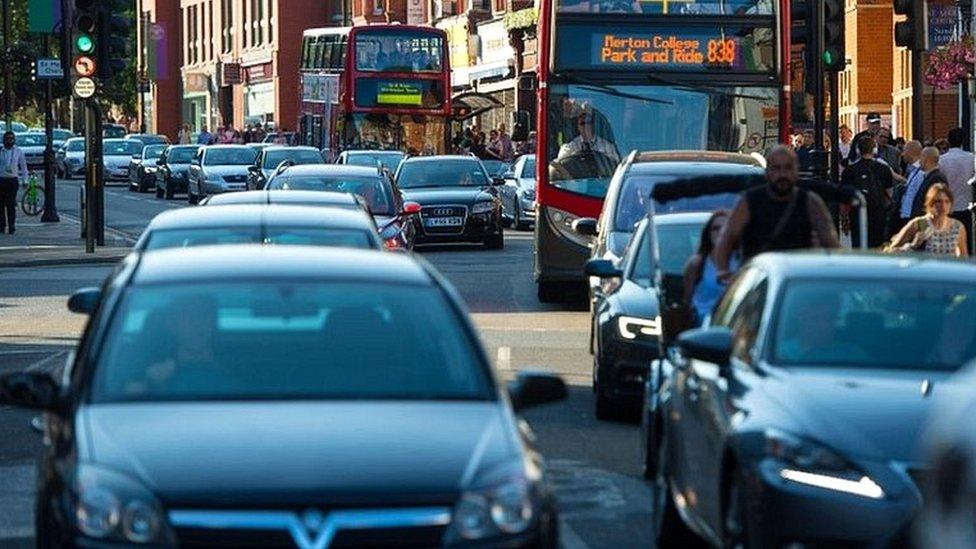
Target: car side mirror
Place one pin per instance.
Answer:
(530, 389)
(586, 226)
(84, 301)
(602, 268)
(33, 390)
(410, 208)
(713, 344)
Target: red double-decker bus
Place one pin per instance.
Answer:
(646, 75)
(384, 87)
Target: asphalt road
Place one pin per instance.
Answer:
(603, 500)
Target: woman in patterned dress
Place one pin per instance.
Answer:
(935, 232)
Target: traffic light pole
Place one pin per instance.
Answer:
(818, 156)
(918, 97)
(50, 214)
(7, 69)
(832, 83)
(94, 188)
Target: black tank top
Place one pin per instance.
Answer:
(764, 216)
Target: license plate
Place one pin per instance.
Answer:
(444, 221)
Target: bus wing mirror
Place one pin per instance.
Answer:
(520, 125)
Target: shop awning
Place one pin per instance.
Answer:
(471, 103)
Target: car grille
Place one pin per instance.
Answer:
(235, 178)
(429, 536)
(443, 212)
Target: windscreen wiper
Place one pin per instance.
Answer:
(610, 90)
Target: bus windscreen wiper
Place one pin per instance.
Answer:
(610, 90)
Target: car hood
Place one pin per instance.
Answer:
(117, 160)
(178, 168)
(428, 196)
(33, 149)
(260, 453)
(636, 300)
(220, 171)
(868, 414)
(149, 162)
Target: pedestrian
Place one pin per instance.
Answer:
(886, 152)
(226, 135)
(775, 216)
(506, 149)
(873, 178)
(844, 145)
(238, 138)
(901, 212)
(259, 133)
(249, 133)
(13, 173)
(874, 125)
(701, 286)
(804, 153)
(935, 232)
(184, 136)
(478, 147)
(205, 137)
(957, 166)
(942, 145)
(279, 138)
(528, 146)
(924, 178)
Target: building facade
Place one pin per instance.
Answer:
(160, 44)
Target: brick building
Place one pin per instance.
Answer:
(163, 53)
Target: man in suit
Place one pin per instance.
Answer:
(930, 174)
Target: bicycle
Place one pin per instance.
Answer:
(32, 203)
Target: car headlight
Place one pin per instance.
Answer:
(812, 464)
(506, 506)
(112, 506)
(482, 207)
(150, 169)
(632, 327)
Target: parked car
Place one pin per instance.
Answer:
(172, 170)
(518, 194)
(242, 394)
(291, 138)
(342, 200)
(797, 413)
(388, 159)
(116, 156)
(70, 158)
(33, 146)
(497, 168)
(16, 127)
(260, 224)
(218, 169)
(393, 215)
(60, 135)
(269, 158)
(459, 201)
(626, 325)
(149, 139)
(143, 167)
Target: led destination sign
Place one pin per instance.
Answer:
(402, 93)
(726, 48)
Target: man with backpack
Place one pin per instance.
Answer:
(873, 178)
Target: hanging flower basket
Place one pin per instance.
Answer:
(949, 65)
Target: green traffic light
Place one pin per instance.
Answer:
(828, 58)
(84, 43)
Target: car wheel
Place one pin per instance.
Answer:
(734, 521)
(169, 192)
(651, 433)
(549, 292)
(131, 188)
(190, 197)
(606, 408)
(159, 192)
(495, 241)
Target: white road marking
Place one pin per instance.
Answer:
(16, 502)
(504, 360)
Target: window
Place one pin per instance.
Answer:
(746, 322)
(377, 7)
(259, 19)
(729, 304)
(210, 28)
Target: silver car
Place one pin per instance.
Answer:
(32, 145)
(70, 158)
(116, 155)
(219, 169)
(518, 194)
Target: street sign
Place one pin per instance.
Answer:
(49, 68)
(84, 66)
(84, 87)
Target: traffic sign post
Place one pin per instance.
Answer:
(49, 68)
(84, 88)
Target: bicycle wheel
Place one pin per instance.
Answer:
(32, 203)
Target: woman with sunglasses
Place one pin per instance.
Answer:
(935, 232)
(702, 288)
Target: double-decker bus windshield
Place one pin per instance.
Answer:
(402, 51)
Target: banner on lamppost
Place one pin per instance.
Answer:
(43, 15)
(157, 49)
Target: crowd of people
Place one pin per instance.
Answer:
(496, 145)
(229, 135)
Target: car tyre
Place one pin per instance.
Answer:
(651, 433)
(159, 192)
(735, 523)
(606, 409)
(495, 241)
(133, 189)
(520, 224)
(191, 198)
(549, 292)
(669, 529)
(169, 192)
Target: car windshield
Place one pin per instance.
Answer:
(631, 205)
(153, 152)
(442, 173)
(676, 243)
(181, 155)
(299, 236)
(377, 195)
(76, 145)
(287, 341)
(885, 324)
(593, 127)
(298, 156)
(30, 139)
(237, 156)
(389, 160)
(119, 147)
(62, 135)
(528, 169)
(496, 168)
(148, 139)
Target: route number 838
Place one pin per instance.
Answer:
(721, 51)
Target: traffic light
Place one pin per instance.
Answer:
(113, 34)
(804, 22)
(83, 44)
(912, 33)
(834, 57)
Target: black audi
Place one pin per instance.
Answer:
(459, 201)
(278, 396)
(794, 419)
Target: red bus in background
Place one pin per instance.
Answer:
(647, 75)
(384, 87)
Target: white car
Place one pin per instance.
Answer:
(70, 158)
(32, 145)
(219, 169)
(116, 155)
(518, 194)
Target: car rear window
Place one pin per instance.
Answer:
(300, 236)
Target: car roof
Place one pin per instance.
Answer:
(330, 169)
(243, 215)
(271, 148)
(698, 156)
(309, 198)
(227, 146)
(184, 146)
(694, 168)
(371, 152)
(254, 262)
(682, 218)
(441, 158)
(854, 264)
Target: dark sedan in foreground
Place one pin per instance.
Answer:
(458, 200)
(276, 396)
(795, 418)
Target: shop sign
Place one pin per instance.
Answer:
(259, 73)
(495, 46)
(230, 74)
